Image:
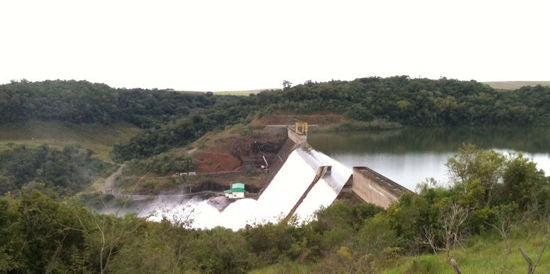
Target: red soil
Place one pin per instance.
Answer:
(215, 162)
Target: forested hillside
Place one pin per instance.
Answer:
(85, 102)
(419, 102)
(414, 102)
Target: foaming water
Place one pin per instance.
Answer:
(275, 203)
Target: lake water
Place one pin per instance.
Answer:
(409, 156)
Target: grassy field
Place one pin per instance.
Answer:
(240, 92)
(510, 85)
(482, 254)
(96, 137)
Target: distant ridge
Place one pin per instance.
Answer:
(510, 85)
(243, 92)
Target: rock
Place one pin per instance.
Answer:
(219, 202)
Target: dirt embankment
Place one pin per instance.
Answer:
(109, 181)
(241, 149)
(237, 154)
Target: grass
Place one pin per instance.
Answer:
(96, 137)
(511, 85)
(240, 92)
(483, 255)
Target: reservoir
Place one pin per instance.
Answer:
(409, 156)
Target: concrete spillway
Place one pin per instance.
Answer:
(308, 181)
(304, 181)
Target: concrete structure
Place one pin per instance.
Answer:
(372, 187)
(364, 186)
(236, 191)
(297, 137)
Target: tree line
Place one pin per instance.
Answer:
(85, 102)
(421, 102)
(418, 102)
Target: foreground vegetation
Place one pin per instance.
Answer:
(496, 205)
(487, 253)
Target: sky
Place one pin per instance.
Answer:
(240, 45)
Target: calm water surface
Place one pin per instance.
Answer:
(409, 156)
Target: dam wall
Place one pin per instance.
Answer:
(364, 186)
(325, 191)
(372, 187)
(296, 137)
(288, 147)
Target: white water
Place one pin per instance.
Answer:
(275, 203)
(326, 190)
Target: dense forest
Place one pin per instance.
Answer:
(492, 196)
(85, 102)
(419, 102)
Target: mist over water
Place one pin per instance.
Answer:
(409, 156)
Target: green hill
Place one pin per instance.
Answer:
(96, 137)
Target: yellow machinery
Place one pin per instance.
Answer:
(301, 127)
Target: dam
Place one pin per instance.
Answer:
(302, 182)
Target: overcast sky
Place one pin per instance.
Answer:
(236, 45)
